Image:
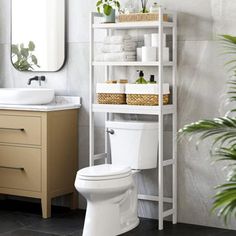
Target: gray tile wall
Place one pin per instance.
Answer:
(200, 85)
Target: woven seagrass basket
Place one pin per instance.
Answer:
(111, 98)
(132, 17)
(145, 99)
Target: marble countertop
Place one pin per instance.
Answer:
(59, 103)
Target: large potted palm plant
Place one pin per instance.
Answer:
(223, 133)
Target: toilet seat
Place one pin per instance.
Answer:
(104, 172)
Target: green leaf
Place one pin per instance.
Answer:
(14, 49)
(107, 9)
(229, 38)
(24, 52)
(117, 4)
(34, 59)
(225, 200)
(31, 46)
(99, 3)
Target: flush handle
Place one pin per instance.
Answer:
(110, 131)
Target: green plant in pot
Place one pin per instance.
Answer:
(222, 132)
(108, 7)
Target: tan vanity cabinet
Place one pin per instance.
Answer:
(38, 155)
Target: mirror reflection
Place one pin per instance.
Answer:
(38, 35)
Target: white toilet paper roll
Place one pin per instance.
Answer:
(166, 54)
(149, 54)
(155, 40)
(147, 40)
(139, 54)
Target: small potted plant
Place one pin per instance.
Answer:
(108, 8)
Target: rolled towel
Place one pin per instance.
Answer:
(123, 56)
(110, 48)
(117, 39)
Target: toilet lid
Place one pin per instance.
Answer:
(107, 171)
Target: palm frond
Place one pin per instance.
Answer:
(222, 129)
(225, 200)
(228, 43)
(228, 38)
(226, 154)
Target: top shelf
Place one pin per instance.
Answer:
(132, 25)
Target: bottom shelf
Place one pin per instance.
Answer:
(154, 198)
(129, 109)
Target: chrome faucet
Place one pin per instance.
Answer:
(37, 78)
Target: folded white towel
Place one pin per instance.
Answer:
(130, 43)
(109, 48)
(123, 56)
(117, 39)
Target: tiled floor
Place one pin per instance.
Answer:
(24, 219)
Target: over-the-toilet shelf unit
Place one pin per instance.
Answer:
(159, 111)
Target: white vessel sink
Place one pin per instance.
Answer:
(26, 96)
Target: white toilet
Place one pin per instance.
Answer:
(109, 189)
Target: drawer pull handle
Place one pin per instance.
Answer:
(13, 129)
(12, 168)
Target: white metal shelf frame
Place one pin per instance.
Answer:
(160, 111)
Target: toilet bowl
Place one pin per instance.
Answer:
(109, 189)
(111, 199)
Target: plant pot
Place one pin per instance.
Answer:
(111, 18)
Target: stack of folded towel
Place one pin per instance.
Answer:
(118, 48)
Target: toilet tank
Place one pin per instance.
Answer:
(134, 144)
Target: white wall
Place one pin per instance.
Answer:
(201, 82)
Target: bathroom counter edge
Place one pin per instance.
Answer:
(60, 103)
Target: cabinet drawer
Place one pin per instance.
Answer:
(20, 168)
(20, 129)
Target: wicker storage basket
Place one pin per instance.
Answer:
(111, 93)
(146, 94)
(146, 99)
(111, 98)
(141, 17)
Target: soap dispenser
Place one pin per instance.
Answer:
(141, 79)
(155, 8)
(152, 79)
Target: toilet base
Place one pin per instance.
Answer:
(103, 219)
(111, 202)
(131, 226)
